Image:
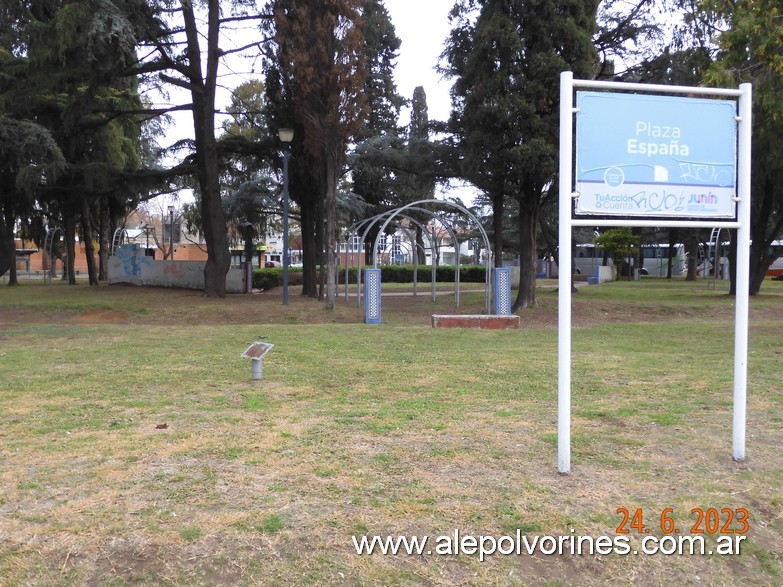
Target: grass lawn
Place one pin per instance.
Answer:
(136, 450)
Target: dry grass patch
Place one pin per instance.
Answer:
(141, 453)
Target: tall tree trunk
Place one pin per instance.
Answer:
(758, 271)
(550, 238)
(13, 277)
(8, 247)
(69, 224)
(89, 246)
(526, 296)
(5, 249)
(218, 256)
(247, 235)
(203, 94)
(369, 242)
(309, 257)
(674, 235)
(497, 227)
(331, 231)
(421, 256)
(766, 224)
(104, 228)
(760, 262)
(692, 248)
(320, 245)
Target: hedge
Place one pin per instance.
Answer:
(273, 277)
(443, 273)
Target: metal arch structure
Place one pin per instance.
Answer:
(51, 234)
(471, 216)
(390, 213)
(714, 244)
(415, 248)
(424, 230)
(369, 224)
(415, 256)
(433, 240)
(452, 233)
(119, 235)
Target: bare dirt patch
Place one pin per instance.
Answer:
(100, 317)
(363, 431)
(159, 306)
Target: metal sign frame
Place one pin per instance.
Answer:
(568, 222)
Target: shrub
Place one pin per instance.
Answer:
(444, 273)
(268, 278)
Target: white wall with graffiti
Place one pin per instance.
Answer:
(130, 265)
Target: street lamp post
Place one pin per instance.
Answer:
(286, 136)
(146, 228)
(247, 234)
(171, 231)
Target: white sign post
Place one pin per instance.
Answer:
(665, 156)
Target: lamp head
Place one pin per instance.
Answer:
(286, 135)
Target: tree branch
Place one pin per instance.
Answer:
(245, 47)
(178, 82)
(246, 17)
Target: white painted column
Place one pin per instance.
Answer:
(564, 275)
(743, 271)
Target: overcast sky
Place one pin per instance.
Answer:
(422, 26)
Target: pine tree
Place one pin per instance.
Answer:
(506, 57)
(750, 45)
(326, 80)
(29, 156)
(373, 181)
(62, 71)
(420, 186)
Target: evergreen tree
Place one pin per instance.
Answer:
(251, 188)
(506, 56)
(29, 157)
(381, 47)
(418, 186)
(63, 72)
(326, 79)
(373, 181)
(750, 44)
(304, 179)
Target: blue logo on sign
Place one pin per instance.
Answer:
(614, 177)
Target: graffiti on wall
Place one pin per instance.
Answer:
(130, 265)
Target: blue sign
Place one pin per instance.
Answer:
(651, 155)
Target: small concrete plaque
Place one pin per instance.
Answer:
(257, 350)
